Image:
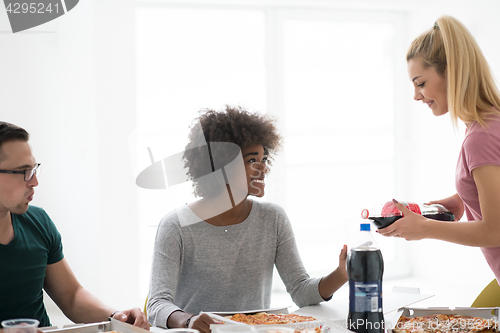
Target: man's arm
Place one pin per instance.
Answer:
(78, 304)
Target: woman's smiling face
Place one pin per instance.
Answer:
(430, 87)
(255, 161)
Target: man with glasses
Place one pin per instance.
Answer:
(31, 255)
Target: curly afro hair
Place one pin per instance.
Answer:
(233, 125)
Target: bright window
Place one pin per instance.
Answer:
(327, 76)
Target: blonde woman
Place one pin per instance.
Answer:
(451, 75)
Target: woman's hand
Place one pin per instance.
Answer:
(336, 279)
(202, 322)
(454, 204)
(342, 261)
(411, 227)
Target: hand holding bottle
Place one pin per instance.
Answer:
(383, 216)
(411, 226)
(453, 203)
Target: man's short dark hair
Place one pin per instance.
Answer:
(11, 132)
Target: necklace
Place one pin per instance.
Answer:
(217, 216)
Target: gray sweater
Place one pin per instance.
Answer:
(200, 267)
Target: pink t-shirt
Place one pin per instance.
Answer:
(481, 146)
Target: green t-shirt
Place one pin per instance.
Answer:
(23, 262)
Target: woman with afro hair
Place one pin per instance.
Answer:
(217, 254)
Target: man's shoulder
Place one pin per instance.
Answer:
(36, 216)
(36, 213)
(35, 210)
(33, 213)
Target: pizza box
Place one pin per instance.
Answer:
(486, 313)
(104, 326)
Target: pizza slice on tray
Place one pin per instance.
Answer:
(442, 323)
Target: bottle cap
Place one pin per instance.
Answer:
(364, 227)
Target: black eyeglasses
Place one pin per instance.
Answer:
(28, 173)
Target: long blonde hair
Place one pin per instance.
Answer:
(452, 50)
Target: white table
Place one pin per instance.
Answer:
(336, 310)
(338, 307)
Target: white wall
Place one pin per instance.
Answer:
(70, 83)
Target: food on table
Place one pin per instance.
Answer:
(264, 318)
(441, 323)
(305, 330)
